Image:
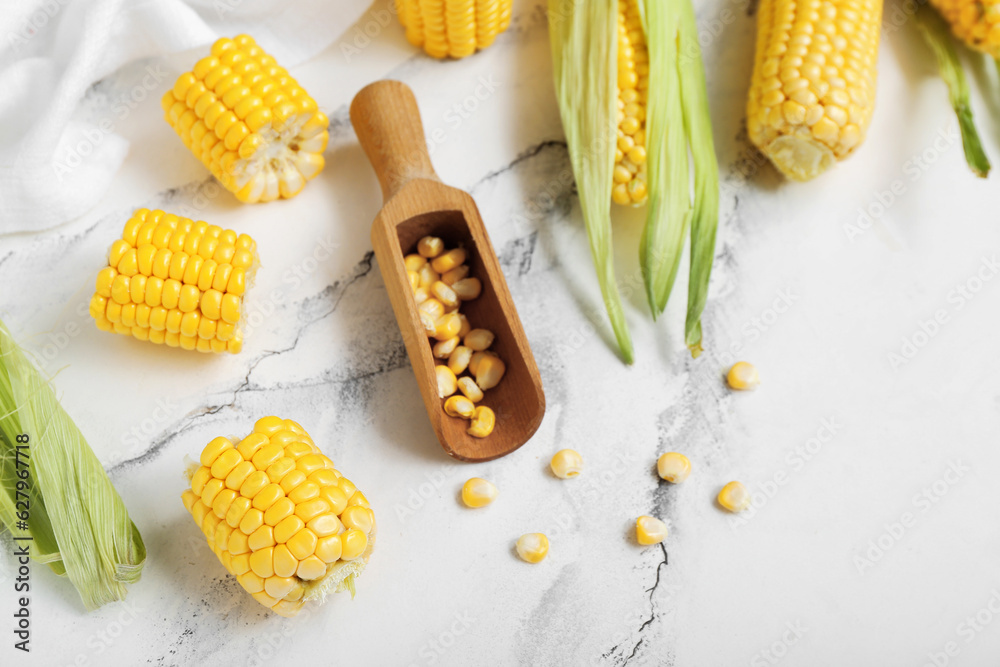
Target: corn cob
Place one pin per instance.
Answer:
(813, 88)
(259, 133)
(975, 22)
(280, 517)
(175, 281)
(453, 28)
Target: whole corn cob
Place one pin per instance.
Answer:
(455, 28)
(175, 281)
(813, 87)
(259, 133)
(975, 22)
(280, 517)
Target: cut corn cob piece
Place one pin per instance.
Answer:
(975, 22)
(813, 88)
(259, 133)
(453, 28)
(176, 281)
(280, 517)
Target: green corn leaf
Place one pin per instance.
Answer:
(705, 216)
(669, 205)
(939, 39)
(584, 55)
(77, 521)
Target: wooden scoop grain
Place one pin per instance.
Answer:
(417, 204)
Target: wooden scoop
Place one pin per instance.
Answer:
(417, 204)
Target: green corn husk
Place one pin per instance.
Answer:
(939, 39)
(705, 216)
(583, 40)
(678, 137)
(78, 523)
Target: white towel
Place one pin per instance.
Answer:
(53, 167)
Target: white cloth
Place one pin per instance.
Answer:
(54, 168)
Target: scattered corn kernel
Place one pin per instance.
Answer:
(650, 530)
(743, 376)
(470, 389)
(446, 380)
(430, 247)
(467, 289)
(734, 497)
(459, 406)
(566, 464)
(483, 421)
(673, 467)
(459, 359)
(533, 547)
(478, 492)
(478, 340)
(489, 371)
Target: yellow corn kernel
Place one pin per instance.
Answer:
(478, 492)
(253, 126)
(533, 547)
(673, 467)
(443, 293)
(812, 92)
(414, 262)
(354, 543)
(566, 464)
(446, 381)
(468, 386)
(489, 371)
(428, 276)
(465, 327)
(467, 289)
(449, 260)
(734, 497)
(459, 406)
(456, 274)
(743, 376)
(483, 421)
(478, 340)
(421, 294)
(432, 307)
(447, 326)
(443, 349)
(414, 279)
(430, 247)
(458, 360)
(650, 530)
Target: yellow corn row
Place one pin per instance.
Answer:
(280, 517)
(813, 87)
(453, 28)
(259, 133)
(975, 22)
(633, 83)
(174, 281)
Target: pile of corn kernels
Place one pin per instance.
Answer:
(440, 281)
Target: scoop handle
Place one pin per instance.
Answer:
(387, 121)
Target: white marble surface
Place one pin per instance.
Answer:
(444, 587)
